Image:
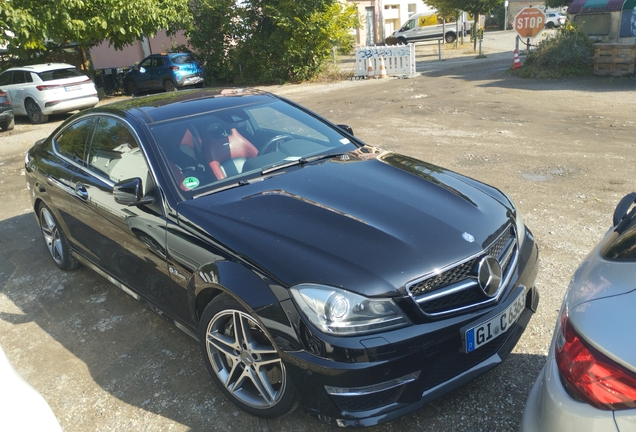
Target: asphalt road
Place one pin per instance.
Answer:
(105, 363)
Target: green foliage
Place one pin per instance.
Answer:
(568, 53)
(557, 3)
(474, 7)
(87, 22)
(269, 41)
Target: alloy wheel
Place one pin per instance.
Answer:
(244, 359)
(50, 232)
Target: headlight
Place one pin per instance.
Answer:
(343, 313)
(520, 226)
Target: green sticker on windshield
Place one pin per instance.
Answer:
(191, 182)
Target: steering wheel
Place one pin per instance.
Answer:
(273, 143)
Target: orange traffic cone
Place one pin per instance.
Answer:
(517, 63)
(370, 71)
(382, 69)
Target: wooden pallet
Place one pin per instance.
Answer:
(614, 59)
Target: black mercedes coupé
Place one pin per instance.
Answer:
(299, 257)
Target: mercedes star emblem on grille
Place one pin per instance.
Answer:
(489, 275)
(468, 237)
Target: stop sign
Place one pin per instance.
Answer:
(529, 22)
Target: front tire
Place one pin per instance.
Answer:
(55, 240)
(132, 88)
(243, 361)
(35, 113)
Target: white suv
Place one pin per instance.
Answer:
(38, 91)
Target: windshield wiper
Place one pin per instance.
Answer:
(222, 188)
(299, 161)
(283, 165)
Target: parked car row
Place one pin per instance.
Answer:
(41, 90)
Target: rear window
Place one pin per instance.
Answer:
(60, 74)
(182, 59)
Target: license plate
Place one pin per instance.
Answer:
(485, 332)
(71, 88)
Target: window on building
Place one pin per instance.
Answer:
(412, 8)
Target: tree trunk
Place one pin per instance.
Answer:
(475, 31)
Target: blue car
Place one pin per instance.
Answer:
(167, 71)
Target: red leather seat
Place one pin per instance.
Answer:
(226, 153)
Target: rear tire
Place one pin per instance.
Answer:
(450, 38)
(55, 240)
(549, 25)
(35, 113)
(169, 85)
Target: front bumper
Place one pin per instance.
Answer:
(6, 116)
(364, 381)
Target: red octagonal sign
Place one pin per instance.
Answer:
(529, 22)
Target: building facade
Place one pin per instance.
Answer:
(380, 18)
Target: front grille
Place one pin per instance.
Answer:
(368, 401)
(456, 289)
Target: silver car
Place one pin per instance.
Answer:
(38, 91)
(588, 383)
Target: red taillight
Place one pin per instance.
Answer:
(174, 68)
(593, 376)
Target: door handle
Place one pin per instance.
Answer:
(81, 192)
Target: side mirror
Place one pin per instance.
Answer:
(142, 70)
(624, 212)
(346, 128)
(130, 192)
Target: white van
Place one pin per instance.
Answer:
(429, 25)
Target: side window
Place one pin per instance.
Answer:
(146, 63)
(18, 77)
(114, 153)
(158, 62)
(5, 78)
(72, 141)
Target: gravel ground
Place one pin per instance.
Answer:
(560, 148)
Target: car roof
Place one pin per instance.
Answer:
(172, 105)
(43, 67)
(170, 54)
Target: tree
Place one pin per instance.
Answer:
(269, 40)
(35, 24)
(557, 3)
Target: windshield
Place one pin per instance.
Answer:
(216, 149)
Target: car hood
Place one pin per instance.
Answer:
(369, 225)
